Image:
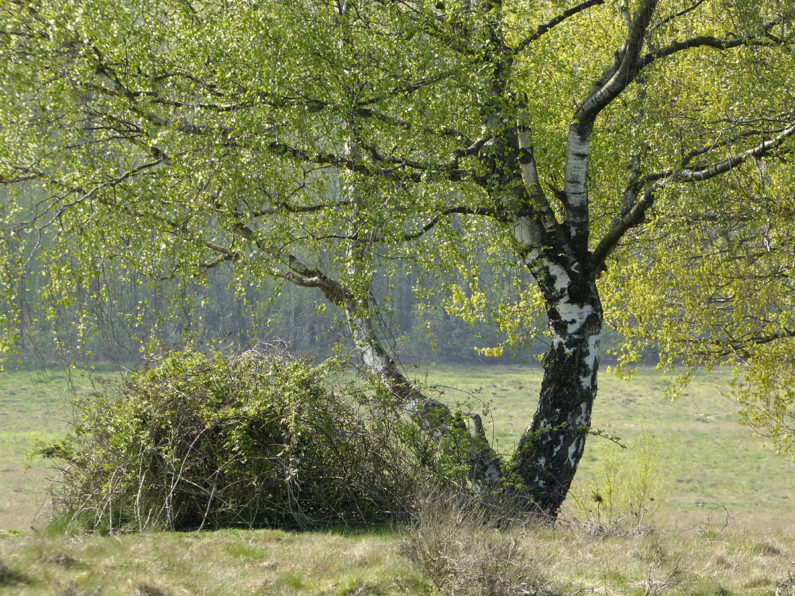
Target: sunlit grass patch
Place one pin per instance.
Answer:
(233, 561)
(666, 562)
(35, 406)
(714, 560)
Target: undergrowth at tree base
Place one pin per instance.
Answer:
(463, 546)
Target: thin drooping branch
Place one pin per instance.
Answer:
(388, 164)
(484, 211)
(547, 26)
(4, 181)
(654, 182)
(203, 267)
(283, 205)
(708, 41)
(407, 88)
(447, 171)
(728, 346)
(677, 15)
(352, 165)
(77, 195)
(403, 124)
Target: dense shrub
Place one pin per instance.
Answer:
(205, 442)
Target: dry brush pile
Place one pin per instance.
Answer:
(198, 442)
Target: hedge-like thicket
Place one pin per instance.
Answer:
(198, 442)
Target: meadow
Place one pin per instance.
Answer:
(709, 466)
(721, 520)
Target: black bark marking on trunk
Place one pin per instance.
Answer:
(550, 450)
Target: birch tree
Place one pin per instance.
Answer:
(633, 157)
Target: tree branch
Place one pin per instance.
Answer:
(527, 166)
(676, 15)
(547, 26)
(618, 76)
(723, 166)
(641, 204)
(707, 41)
(613, 81)
(19, 179)
(449, 211)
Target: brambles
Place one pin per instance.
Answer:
(200, 442)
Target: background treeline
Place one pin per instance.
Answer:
(138, 311)
(116, 315)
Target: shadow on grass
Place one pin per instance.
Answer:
(353, 529)
(11, 577)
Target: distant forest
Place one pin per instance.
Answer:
(211, 313)
(140, 312)
(115, 318)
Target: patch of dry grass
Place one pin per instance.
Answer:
(463, 548)
(461, 555)
(708, 562)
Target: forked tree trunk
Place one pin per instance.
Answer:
(550, 450)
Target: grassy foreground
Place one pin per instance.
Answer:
(725, 516)
(567, 560)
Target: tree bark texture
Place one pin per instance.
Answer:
(485, 471)
(550, 449)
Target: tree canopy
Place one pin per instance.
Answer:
(626, 162)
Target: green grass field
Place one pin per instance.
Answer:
(713, 466)
(34, 406)
(725, 516)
